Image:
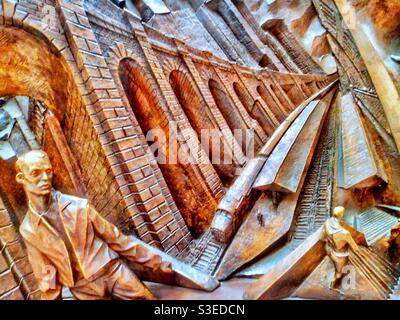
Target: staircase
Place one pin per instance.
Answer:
(314, 205)
(375, 224)
(379, 272)
(206, 254)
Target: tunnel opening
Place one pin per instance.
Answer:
(191, 200)
(208, 133)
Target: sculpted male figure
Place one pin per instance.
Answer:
(338, 241)
(69, 244)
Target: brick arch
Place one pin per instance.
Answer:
(190, 101)
(31, 66)
(207, 75)
(13, 14)
(43, 74)
(271, 103)
(196, 111)
(170, 65)
(244, 96)
(281, 98)
(254, 108)
(228, 110)
(117, 53)
(192, 203)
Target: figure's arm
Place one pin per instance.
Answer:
(322, 236)
(126, 246)
(45, 273)
(353, 245)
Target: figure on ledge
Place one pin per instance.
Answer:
(338, 242)
(69, 244)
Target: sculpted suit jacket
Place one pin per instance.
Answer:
(94, 242)
(338, 239)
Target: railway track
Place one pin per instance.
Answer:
(207, 253)
(315, 200)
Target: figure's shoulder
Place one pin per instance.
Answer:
(26, 228)
(343, 234)
(67, 200)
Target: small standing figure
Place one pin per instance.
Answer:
(69, 244)
(260, 219)
(338, 242)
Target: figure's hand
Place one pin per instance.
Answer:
(166, 267)
(156, 263)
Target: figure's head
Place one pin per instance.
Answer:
(338, 213)
(34, 172)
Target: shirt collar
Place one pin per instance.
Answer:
(35, 216)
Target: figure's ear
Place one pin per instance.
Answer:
(20, 178)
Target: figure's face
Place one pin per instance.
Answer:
(339, 213)
(36, 176)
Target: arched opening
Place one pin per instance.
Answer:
(293, 93)
(266, 62)
(195, 206)
(40, 108)
(208, 133)
(271, 103)
(229, 112)
(285, 103)
(254, 108)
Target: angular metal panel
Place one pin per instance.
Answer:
(358, 165)
(275, 161)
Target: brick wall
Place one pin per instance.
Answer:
(16, 276)
(120, 140)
